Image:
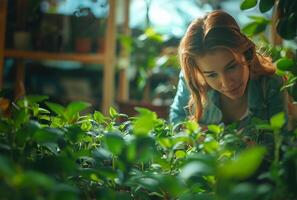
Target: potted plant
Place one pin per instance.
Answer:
(26, 17)
(155, 71)
(87, 30)
(100, 35)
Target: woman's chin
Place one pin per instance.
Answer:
(234, 95)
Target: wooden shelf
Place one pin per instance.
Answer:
(39, 55)
(107, 59)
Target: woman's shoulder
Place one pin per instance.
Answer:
(272, 82)
(274, 78)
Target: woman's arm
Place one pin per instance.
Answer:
(178, 110)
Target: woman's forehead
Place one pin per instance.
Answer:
(214, 59)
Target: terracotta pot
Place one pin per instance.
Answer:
(100, 45)
(83, 45)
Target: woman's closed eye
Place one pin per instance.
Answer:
(212, 75)
(232, 67)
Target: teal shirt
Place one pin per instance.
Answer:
(264, 100)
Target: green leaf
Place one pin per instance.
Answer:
(146, 148)
(285, 64)
(57, 122)
(131, 151)
(99, 117)
(36, 98)
(145, 121)
(215, 129)
(6, 168)
(26, 132)
(293, 91)
(165, 142)
(43, 111)
(86, 126)
(254, 28)
(47, 135)
(126, 42)
(286, 26)
(52, 147)
(180, 154)
(171, 184)
(115, 143)
(196, 168)
(246, 163)
(75, 107)
(260, 19)
(277, 121)
(265, 5)
(75, 134)
(112, 112)
(56, 108)
(149, 183)
(21, 116)
(192, 126)
(102, 154)
(247, 4)
(153, 35)
(108, 172)
(211, 146)
(33, 179)
(66, 192)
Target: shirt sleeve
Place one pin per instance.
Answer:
(276, 98)
(178, 111)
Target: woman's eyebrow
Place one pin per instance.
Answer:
(226, 66)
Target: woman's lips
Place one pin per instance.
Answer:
(233, 90)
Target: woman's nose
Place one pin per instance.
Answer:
(226, 82)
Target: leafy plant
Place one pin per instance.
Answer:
(285, 58)
(287, 18)
(56, 152)
(150, 61)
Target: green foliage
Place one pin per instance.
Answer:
(258, 25)
(150, 60)
(247, 4)
(67, 155)
(285, 58)
(266, 5)
(286, 25)
(244, 165)
(285, 64)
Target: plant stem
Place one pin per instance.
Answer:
(277, 144)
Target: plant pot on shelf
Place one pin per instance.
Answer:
(83, 44)
(100, 44)
(22, 40)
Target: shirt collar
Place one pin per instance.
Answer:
(212, 113)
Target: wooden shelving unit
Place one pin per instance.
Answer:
(107, 58)
(39, 55)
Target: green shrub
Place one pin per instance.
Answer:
(58, 153)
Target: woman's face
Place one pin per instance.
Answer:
(224, 73)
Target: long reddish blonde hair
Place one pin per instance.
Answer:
(218, 29)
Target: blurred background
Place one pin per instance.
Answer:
(120, 53)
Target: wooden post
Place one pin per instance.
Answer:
(3, 13)
(125, 57)
(275, 38)
(109, 63)
(19, 88)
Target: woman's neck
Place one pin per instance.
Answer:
(233, 110)
(224, 100)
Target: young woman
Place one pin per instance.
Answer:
(223, 78)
